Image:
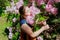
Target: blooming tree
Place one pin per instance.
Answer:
(41, 10)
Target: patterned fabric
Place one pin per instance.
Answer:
(23, 21)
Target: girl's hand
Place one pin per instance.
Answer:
(46, 27)
(41, 22)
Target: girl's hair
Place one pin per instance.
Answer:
(30, 4)
(21, 10)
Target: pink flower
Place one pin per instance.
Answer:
(39, 38)
(51, 9)
(10, 29)
(57, 1)
(19, 4)
(21, 1)
(51, 2)
(10, 35)
(48, 7)
(34, 10)
(16, 11)
(39, 2)
(14, 19)
(30, 20)
(54, 11)
(46, 1)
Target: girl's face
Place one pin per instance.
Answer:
(27, 11)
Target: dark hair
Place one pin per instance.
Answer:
(30, 4)
(21, 10)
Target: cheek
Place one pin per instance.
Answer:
(28, 14)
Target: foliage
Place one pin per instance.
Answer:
(52, 20)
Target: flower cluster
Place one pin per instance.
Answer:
(39, 38)
(30, 20)
(33, 11)
(14, 19)
(49, 5)
(19, 4)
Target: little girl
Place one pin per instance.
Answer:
(26, 29)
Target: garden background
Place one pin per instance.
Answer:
(6, 21)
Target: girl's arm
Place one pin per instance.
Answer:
(29, 31)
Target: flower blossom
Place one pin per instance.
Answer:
(51, 2)
(48, 7)
(30, 20)
(14, 19)
(39, 2)
(39, 38)
(57, 1)
(34, 10)
(54, 11)
(10, 35)
(19, 4)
